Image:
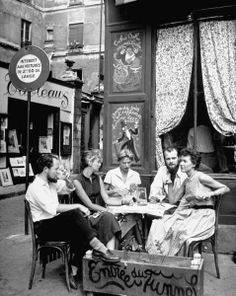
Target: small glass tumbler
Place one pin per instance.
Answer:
(142, 196)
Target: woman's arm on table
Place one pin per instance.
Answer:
(117, 192)
(108, 200)
(85, 199)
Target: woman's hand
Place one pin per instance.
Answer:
(204, 197)
(84, 210)
(191, 198)
(127, 201)
(122, 192)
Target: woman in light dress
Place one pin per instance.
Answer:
(194, 218)
(121, 183)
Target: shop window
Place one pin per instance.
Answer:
(217, 151)
(25, 32)
(76, 38)
(44, 129)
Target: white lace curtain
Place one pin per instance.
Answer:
(218, 58)
(174, 58)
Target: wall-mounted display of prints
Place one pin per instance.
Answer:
(127, 61)
(5, 177)
(66, 138)
(13, 146)
(21, 171)
(127, 129)
(3, 146)
(17, 161)
(44, 145)
(3, 128)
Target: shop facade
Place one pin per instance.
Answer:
(167, 73)
(51, 125)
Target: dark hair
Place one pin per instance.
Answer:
(194, 155)
(170, 149)
(45, 160)
(125, 153)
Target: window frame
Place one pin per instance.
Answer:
(48, 35)
(75, 43)
(26, 25)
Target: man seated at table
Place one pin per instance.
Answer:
(119, 183)
(54, 221)
(170, 171)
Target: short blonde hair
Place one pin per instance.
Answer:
(125, 153)
(91, 155)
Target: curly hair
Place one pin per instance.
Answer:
(194, 155)
(90, 155)
(125, 153)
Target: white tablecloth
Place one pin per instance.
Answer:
(156, 209)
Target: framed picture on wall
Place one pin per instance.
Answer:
(66, 138)
(5, 177)
(13, 146)
(44, 146)
(17, 161)
(3, 128)
(126, 130)
(21, 171)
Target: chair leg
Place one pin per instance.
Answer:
(32, 272)
(190, 250)
(43, 269)
(65, 255)
(215, 252)
(200, 248)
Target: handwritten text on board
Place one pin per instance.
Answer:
(147, 279)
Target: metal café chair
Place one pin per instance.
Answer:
(48, 251)
(191, 245)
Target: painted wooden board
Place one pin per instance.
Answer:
(142, 274)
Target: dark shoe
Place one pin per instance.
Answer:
(108, 257)
(73, 282)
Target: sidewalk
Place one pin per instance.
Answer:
(15, 258)
(13, 190)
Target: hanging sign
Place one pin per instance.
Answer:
(29, 68)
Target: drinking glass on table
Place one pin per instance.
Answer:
(158, 197)
(142, 196)
(133, 191)
(161, 197)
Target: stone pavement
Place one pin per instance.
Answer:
(15, 259)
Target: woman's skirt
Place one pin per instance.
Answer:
(167, 235)
(106, 226)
